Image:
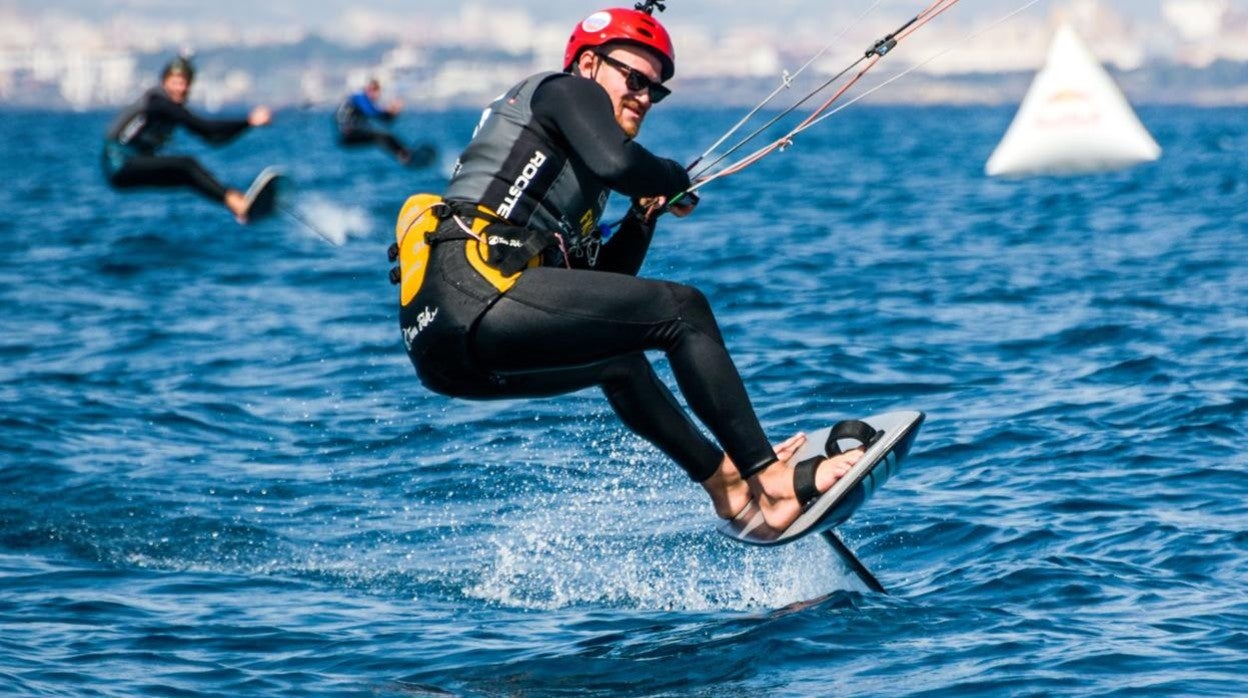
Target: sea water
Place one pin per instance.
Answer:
(219, 474)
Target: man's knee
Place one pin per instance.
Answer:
(182, 162)
(634, 389)
(693, 308)
(624, 371)
(185, 167)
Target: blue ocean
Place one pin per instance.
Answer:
(219, 474)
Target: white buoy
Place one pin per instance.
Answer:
(1073, 120)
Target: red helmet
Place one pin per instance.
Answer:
(620, 24)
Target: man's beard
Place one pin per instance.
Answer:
(637, 109)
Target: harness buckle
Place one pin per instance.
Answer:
(442, 210)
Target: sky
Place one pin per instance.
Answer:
(322, 15)
(1126, 33)
(714, 37)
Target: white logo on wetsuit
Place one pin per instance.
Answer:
(522, 182)
(499, 240)
(132, 129)
(423, 319)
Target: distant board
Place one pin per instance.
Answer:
(263, 193)
(422, 155)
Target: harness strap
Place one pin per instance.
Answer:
(509, 248)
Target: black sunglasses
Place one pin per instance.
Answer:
(635, 80)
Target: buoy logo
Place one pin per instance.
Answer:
(1066, 108)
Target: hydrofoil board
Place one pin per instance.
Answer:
(894, 434)
(262, 195)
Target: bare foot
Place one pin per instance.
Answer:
(237, 203)
(773, 487)
(729, 493)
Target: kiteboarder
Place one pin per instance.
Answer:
(133, 142)
(354, 119)
(522, 295)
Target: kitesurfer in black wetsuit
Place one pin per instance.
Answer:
(137, 135)
(354, 119)
(522, 295)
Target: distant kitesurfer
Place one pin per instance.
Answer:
(138, 134)
(354, 119)
(523, 296)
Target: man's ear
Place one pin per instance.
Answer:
(585, 63)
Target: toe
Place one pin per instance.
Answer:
(835, 468)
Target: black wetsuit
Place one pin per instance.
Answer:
(133, 140)
(554, 329)
(353, 117)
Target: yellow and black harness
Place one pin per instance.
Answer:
(495, 249)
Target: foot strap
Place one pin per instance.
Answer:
(857, 430)
(804, 472)
(748, 520)
(804, 480)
